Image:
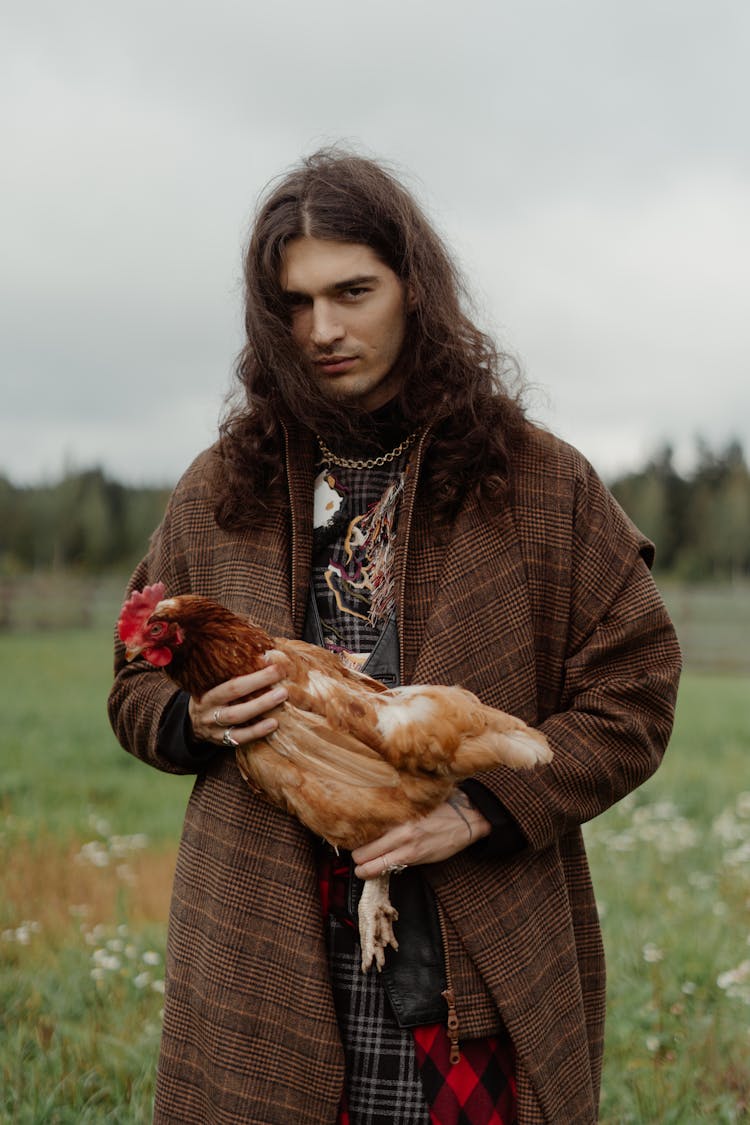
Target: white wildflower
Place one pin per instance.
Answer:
(22, 934)
(104, 960)
(99, 824)
(151, 957)
(736, 982)
(652, 954)
(664, 810)
(661, 825)
(142, 980)
(622, 842)
(158, 985)
(652, 1043)
(742, 804)
(728, 828)
(123, 846)
(95, 853)
(738, 857)
(700, 881)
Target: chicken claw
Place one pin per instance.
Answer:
(376, 918)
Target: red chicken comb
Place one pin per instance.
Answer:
(137, 610)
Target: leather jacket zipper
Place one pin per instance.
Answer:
(448, 994)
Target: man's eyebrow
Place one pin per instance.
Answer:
(354, 282)
(341, 286)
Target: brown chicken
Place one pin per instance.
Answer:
(350, 758)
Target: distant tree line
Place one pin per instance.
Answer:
(700, 521)
(85, 522)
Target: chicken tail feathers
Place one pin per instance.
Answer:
(518, 749)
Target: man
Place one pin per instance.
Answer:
(378, 490)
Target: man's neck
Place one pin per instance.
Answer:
(378, 430)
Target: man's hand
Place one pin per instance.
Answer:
(448, 829)
(227, 706)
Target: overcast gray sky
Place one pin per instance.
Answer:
(587, 161)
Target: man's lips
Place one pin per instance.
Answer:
(335, 364)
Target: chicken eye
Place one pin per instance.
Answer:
(157, 629)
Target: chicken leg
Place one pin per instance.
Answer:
(376, 917)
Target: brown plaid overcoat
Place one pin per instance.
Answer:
(544, 606)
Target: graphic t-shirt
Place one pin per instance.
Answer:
(356, 512)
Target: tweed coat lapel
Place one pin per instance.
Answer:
(265, 571)
(465, 624)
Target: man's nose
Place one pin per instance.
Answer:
(326, 326)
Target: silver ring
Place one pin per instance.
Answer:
(227, 738)
(218, 721)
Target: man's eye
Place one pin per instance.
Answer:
(355, 291)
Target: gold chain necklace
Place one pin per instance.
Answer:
(372, 462)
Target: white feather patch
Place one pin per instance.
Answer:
(319, 685)
(402, 708)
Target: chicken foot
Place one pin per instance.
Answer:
(376, 917)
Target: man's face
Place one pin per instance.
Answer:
(348, 317)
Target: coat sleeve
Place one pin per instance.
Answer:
(143, 702)
(618, 678)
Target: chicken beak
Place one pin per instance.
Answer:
(132, 651)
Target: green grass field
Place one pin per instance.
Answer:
(87, 846)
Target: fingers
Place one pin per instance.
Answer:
(227, 708)
(392, 841)
(242, 686)
(428, 839)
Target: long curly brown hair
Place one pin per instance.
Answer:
(457, 379)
